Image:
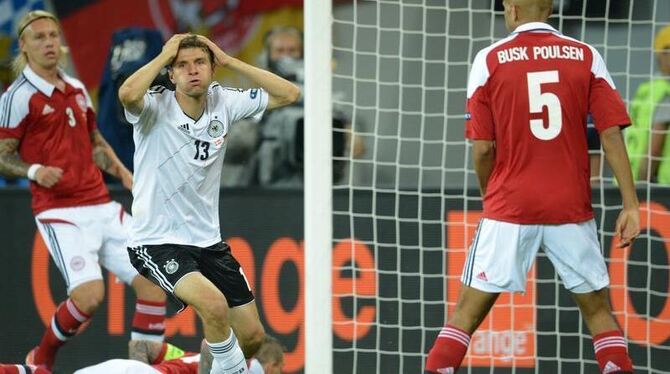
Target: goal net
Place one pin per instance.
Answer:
(406, 202)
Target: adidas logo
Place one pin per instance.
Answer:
(610, 367)
(449, 370)
(47, 109)
(482, 276)
(185, 128)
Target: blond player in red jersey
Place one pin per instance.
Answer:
(48, 133)
(528, 98)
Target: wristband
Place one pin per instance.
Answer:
(32, 170)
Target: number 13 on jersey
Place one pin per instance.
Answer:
(201, 150)
(537, 100)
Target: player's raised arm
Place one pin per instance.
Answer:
(281, 91)
(628, 223)
(131, 92)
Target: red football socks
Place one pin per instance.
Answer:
(612, 353)
(149, 321)
(64, 325)
(448, 351)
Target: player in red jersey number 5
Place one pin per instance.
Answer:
(527, 101)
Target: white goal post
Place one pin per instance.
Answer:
(318, 187)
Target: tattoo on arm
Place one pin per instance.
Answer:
(11, 165)
(104, 156)
(101, 159)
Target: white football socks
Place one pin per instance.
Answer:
(228, 357)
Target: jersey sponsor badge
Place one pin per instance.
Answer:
(81, 101)
(171, 266)
(468, 116)
(215, 129)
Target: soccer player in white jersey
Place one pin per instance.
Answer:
(179, 146)
(528, 99)
(48, 133)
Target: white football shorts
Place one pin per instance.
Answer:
(80, 239)
(502, 253)
(119, 366)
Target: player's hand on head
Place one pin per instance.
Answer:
(48, 176)
(221, 57)
(171, 47)
(628, 226)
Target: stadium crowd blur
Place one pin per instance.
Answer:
(269, 153)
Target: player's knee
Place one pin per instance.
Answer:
(215, 312)
(252, 341)
(593, 304)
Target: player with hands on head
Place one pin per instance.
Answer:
(48, 133)
(179, 146)
(528, 98)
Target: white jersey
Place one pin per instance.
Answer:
(178, 163)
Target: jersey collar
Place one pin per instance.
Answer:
(39, 82)
(535, 26)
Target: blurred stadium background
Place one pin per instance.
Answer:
(404, 209)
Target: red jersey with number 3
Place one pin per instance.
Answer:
(531, 93)
(54, 129)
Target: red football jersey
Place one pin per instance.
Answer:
(54, 129)
(183, 365)
(531, 93)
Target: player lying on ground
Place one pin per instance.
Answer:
(162, 358)
(533, 172)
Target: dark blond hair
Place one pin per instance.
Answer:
(192, 41)
(271, 351)
(21, 60)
